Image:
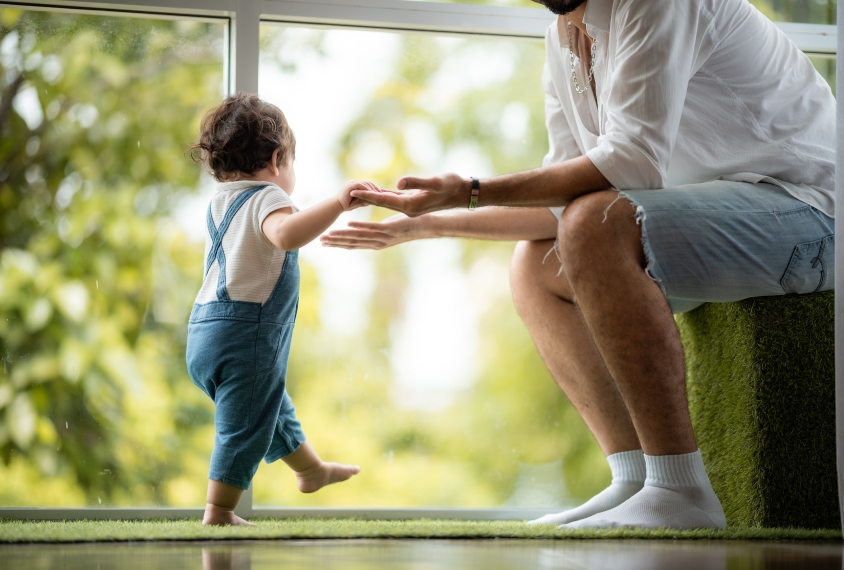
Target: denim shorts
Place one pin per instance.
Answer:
(724, 241)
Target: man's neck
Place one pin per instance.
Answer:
(575, 17)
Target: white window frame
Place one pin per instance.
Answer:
(244, 18)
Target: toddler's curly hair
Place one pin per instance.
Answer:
(239, 137)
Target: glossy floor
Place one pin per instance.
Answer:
(427, 554)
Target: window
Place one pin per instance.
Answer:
(800, 11)
(410, 362)
(96, 274)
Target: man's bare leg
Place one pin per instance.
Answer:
(544, 301)
(628, 318)
(631, 324)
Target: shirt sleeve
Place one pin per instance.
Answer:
(561, 142)
(658, 46)
(269, 201)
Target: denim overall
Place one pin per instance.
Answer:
(237, 353)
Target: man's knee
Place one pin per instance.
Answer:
(526, 269)
(526, 262)
(596, 223)
(536, 273)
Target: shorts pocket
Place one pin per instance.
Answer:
(267, 346)
(808, 269)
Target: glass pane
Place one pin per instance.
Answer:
(826, 67)
(97, 274)
(801, 11)
(412, 361)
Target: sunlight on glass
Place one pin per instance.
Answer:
(96, 276)
(826, 67)
(800, 11)
(411, 361)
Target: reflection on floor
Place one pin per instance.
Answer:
(427, 554)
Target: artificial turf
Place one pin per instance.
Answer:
(761, 388)
(18, 531)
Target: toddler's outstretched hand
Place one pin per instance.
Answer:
(350, 203)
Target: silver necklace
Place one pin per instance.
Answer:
(591, 64)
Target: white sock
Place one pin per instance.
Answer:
(628, 476)
(677, 494)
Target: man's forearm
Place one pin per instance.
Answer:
(553, 185)
(495, 223)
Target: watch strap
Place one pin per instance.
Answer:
(476, 190)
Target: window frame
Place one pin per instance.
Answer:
(244, 19)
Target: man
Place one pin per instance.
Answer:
(692, 147)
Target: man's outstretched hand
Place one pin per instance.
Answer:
(378, 235)
(424, 194)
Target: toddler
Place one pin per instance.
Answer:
(242, 321)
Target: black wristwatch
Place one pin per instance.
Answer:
(476, 189)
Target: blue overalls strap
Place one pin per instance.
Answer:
(217, 232)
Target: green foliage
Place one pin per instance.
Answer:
(523, 412)
(514, 416)
(814, 12)
(95, 114)
(466, 118)
(97, 277)
(761, 385)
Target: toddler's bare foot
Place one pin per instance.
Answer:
(218, 516)
(323, 473)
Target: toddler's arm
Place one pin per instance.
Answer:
(289, 231)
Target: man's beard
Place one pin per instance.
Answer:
(561, 7)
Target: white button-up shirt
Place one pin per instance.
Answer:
(690, 91)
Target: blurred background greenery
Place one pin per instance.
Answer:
(101, 256)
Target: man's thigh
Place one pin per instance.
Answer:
(725, 241)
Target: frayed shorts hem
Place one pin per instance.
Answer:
(724, 241)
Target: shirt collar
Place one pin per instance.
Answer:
(243, 184)
(597, 15)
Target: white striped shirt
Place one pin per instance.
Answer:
(253, 263)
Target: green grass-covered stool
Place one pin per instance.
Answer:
(761, 385)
